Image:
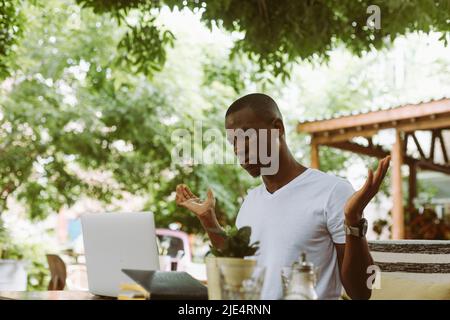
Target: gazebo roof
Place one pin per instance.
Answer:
(374, 108)
(431, 115)
(424, 115)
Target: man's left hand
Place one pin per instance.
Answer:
(358, 201)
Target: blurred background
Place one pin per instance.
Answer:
(91, 92)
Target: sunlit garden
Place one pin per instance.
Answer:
(92, 93)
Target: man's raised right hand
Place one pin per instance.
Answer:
(201, 208)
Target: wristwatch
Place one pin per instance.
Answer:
(359, 230)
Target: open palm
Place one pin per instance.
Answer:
(185, 198)
(359, 200)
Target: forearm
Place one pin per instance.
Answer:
(355, 265)
(355, 258)
(213, 229)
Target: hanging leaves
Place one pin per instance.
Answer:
(143, 48)
(11, 21)
(278, 33)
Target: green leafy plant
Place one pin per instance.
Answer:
(237, 243)
(276, 33)
(11, 29)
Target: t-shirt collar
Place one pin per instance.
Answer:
(287, 186)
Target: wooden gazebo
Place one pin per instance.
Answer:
(339, 132)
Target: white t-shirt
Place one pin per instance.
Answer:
(305, 215)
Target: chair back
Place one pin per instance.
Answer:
(58, 272)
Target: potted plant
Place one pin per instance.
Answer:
(236, 247)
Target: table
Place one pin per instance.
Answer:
(50, 295)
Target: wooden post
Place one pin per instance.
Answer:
(398, 219)
(412, 192)
(315, 160)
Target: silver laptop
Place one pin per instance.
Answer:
(116, 241)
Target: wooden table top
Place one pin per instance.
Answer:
(50, 295)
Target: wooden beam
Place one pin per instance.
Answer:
(406, 112)
(327, 137)
(422, 154)
(412, 184)
(426, 124)
(427, 165)
(324, 137)
(398, 216)
(405, 145)
(432, 146)
(443, 147)
(378, 152)
(315, 158)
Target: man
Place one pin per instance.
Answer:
(296, 209)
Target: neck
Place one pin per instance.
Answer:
(288, 170)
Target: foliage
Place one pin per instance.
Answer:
(379, 225)
(422, 223)
(143, 47)
(274, 33)
(425, 224)
(11, 24)
(236, 244)
(280, 32)
(76, 124)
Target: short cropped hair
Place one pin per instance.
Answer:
(261, 104)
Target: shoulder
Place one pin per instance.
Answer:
(330, 181)
(253, 193)
(335, 190)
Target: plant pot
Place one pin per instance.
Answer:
(13, 275)
(235, 270)
(213, 278)
(232, 274)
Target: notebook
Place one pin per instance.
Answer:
(169, 285)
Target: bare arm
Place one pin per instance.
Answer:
(213, 228)
(205, 212)
(354, 256)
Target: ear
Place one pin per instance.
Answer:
(278, 124)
